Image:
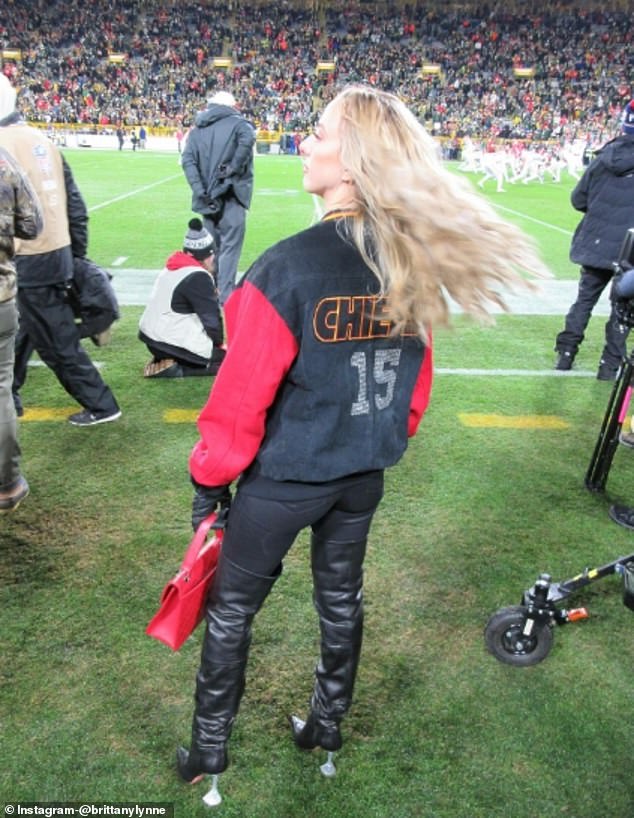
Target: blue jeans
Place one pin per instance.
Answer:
(9, 448)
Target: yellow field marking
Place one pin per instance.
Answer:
(181, 415)
(472, 419)
(39, 415)
(33, 414)
(482, 421)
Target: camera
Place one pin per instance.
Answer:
(623, 285)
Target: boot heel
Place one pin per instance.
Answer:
(328, 769)
(189, 770)
(213, 797)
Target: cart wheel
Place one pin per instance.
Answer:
(505, 640)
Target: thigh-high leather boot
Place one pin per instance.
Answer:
(235, 598)
(338, 598)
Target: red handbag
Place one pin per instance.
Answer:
(182, 605)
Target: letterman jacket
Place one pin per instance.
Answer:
(313, 386)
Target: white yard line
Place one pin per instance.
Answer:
(532, 219)
(134, 192)
(514, 373)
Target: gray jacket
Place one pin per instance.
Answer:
(605, 193)
(221, 136)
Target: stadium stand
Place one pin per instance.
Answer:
(485, 72)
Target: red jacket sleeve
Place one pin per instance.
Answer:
(233, 421)
(422, 391)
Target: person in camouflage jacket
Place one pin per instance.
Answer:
(20, 216)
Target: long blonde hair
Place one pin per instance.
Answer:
(423, 230)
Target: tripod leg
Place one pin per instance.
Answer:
(608, 439)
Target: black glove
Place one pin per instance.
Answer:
(213, 207)
(206, 499)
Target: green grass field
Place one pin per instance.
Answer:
(92, 710)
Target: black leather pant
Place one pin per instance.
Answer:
(265, 518)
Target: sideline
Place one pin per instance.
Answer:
(553, 297)
(517, 373)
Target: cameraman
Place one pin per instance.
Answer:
(605, 195)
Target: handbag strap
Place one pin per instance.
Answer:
(197, 542)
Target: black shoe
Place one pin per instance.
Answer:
(315, 732)
(623, 515)
(192, 765)
(564, 360)
(88, 418)
(606, 372)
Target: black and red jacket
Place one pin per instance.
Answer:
(313, 386)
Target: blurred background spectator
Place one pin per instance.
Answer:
(479, 71)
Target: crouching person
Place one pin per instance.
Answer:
(182, 323)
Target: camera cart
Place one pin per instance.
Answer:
(522, 634)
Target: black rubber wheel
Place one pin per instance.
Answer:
(506, 641)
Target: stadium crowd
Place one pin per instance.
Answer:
(131, 62)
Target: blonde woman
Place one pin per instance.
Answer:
(328, 373)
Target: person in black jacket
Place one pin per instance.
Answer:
(605, 195)
(45, 268)
(218, 164)
(327, 374)
(182, 324)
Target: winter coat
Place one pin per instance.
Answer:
(221, 136)
(92, 297)
(314, 385)
(183, 311)
(49, 258)
(605, 193)
(20, 215)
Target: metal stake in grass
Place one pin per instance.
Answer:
(328, 768)
(213, 797)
